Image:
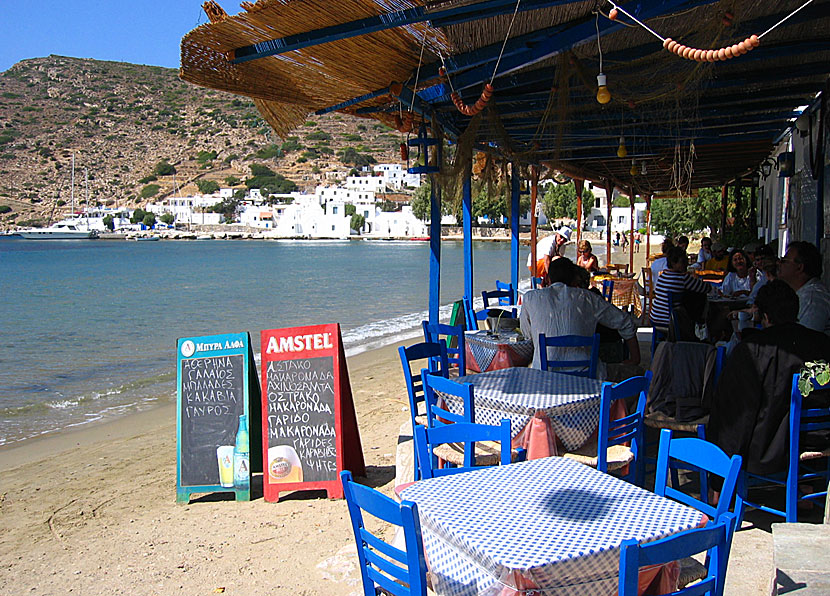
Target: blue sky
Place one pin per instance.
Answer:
(137, 31)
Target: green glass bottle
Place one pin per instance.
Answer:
(241, 459)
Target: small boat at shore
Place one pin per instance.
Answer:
(68, 229)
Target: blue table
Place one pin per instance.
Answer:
(549, 524)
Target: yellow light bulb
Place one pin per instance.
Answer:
(603, 94)
(634, 169)
(621, 150)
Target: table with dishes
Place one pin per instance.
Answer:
(492, 350)
(546, 526)
(548, 411)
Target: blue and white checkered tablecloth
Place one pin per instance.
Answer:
(571, 403)
(550, 523)
(484, 345)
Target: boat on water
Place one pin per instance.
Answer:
(68, 229)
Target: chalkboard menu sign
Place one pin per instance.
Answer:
(308, 419)
(216, 448)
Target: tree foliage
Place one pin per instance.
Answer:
(207, 187)
(357, 222)
(150, 190)
(167, 218)
(350, 156)
(149, 219)
(137, 216)
(109, 222)
(350, 209)
(268, 182)
(164, 169)
(228, 208)
(559, 201)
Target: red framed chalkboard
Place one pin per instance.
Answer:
(309, 426)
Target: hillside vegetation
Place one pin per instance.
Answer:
(142, 134)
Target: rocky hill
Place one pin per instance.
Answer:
(122, 120)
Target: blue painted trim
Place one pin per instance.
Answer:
(514, 225)
(467, 205)
(353, 101)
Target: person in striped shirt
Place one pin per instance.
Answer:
(675, 281)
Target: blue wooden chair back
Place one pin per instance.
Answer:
(720, 359)
(507, 287)
(628, 429)
(704, 456)
(801, 421)
(494, 298)
(471, 316)
(587, 367)
(382, 565)
(715, 539)
(435, 332)
(536, 282)
(433, 354)
(607, 289)
(467, 433)
(438, 415)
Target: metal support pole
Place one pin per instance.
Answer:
(467, 206)
(534, 219)
(723, 195)
(609, 194)
(579, 185)
(514, 226)
(648, 227)
(631, 232)
(434, 250)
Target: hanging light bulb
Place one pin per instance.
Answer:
(634, 168)
(621, 150)
(603, 94)
(643, 169)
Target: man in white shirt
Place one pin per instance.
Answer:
(560, 309)
(548, 248)
(801, 268)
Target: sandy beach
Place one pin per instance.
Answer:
(93, 511)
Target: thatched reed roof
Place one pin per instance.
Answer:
(691, 123)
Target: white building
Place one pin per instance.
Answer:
(373, 184)
(396, 177)
(192, 209)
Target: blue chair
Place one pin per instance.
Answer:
(701, 455)
(434, 332)
(798, 468)
(494, 298)
(607, 289)
(465, 445)
(588, 366)
(382, 565)
(434, 354)
(536, 282)
(507, 287)
(471, 316)
(438, 415)
(609, 452)
(707, 458)
(715, 539)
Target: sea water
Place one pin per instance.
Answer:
(89, 328)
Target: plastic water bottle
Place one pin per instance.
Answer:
(241, 453)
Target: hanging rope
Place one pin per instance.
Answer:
(487, 92)
(701, 55)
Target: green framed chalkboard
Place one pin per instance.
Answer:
(218, 442)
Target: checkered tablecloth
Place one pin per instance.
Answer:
(571, 403)
(483, 346)
(546, 526)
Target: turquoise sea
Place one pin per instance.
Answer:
(89, 328)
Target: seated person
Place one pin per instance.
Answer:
(561, 309)
(801, 268)
(705, 252)
(585, 258)
(740, 279)
(751, 403)
(659, 265)
(683, 242)
(719, 260)
(676, 281)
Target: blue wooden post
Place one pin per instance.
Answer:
(514, 226)
(434, 250)
(467, 204)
